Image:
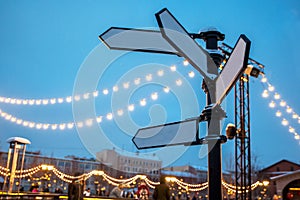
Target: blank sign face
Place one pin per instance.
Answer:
(136, 40)
(187, 47)
(184, 132)
(235, 66)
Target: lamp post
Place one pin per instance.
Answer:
(15, 145)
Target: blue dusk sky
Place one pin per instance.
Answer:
(50, 50)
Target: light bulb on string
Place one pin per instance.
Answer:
(109, 116)
(131, 107)
(120, 112)
(284, 122)
(278, 114)
(178, 82)
(282, 103)
(160, 72)
(295, 116)
(105, 91)
(291, 130)
(137, 81)
(166, 89)
(143, 102)
(289, 110)
(185, 63)
(99, 119)
(149, 77)
(297, 137)
(265, 94)
(276, 96)
(115, 88)
(173, 68)
(271, 88)
(95, 93)
(264, 79)
(191, 74)
(126, 85)
(154, 96)
(272, 104)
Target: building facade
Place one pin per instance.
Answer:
(129, 164)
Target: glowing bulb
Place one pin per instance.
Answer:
(271, 88)
(1, 99)
(69, 99)
(13, 101)
(31, 124)
(45, 126)
(38, 102)
(264, 79)
(185, 63)
(191, 74)
(137, 81)
(291, 129)
(289, 110)
(79, 124)
(284, 122)
(295, 116)
(89, 122)
(25, 123)
(265, 94)
(62, 126)
(86, 96)
(19, 121)
(7, 117)
(277, 96)
(178, 82)
(297, 137)
(61, 100)
(70, 125)
(99, 119)
(126, 85)
(39, 126)
(154, 96)
(131, 107)
(19, 101)
(173, 68)
(13, 119)
(115, 88)
(160, 72)
(95, 93)
(45, 101)
(31, 102)
(143, 102)
(53, 101)
(109, 116)
(166, 89)
(25, 102)
(120, 112)
(272, 104)
(278, 114)
(149, 77)
(105, 91)
(54, 126)
(282, 103)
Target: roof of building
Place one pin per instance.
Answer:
(283, 160)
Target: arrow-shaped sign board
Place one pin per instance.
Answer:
(176, 133)
(136, 40)
(187, 47)
(234, 68)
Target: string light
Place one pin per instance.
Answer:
(282, 104)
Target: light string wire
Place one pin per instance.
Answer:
(109, 116)
(278, 103)
(114, 181)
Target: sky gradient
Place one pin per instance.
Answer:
(46, 45)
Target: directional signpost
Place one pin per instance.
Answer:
(174, 39)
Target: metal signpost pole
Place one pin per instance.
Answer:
(211, 37)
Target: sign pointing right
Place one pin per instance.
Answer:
(234, 68)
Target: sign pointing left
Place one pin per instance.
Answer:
(136, 40)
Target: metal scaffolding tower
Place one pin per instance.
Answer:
(242, 123)
(242, 140)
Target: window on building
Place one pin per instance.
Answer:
(278, 169)
(292, 168)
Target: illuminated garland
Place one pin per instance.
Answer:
(277, 100)
(88, 122)
(114, 181)
(88, 95)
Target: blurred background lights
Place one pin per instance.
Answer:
(154, 96)
(272, 104)
(185, 63)
(284, 122)
(173, 68)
